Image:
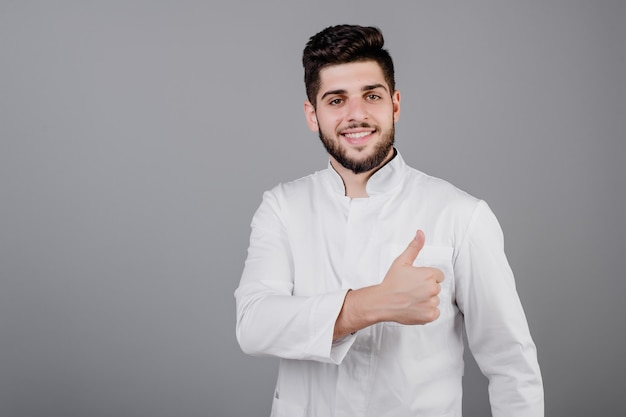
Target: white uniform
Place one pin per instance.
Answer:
(310, 244)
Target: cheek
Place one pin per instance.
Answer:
(329, 123)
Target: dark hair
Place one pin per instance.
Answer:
(344, 44)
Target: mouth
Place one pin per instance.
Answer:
(357, 136)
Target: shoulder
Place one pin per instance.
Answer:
(437, 191)
(450, 211)
(293, 198)
(300, 187)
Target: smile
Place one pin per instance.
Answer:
(360, 137)
(356, 135)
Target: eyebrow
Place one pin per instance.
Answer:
(363, 89)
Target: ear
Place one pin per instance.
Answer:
(395, 97)
(311, 117)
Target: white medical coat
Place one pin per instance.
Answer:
(310, 244)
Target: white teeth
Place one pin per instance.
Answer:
(356, 135)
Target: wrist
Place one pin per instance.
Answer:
(363, 307)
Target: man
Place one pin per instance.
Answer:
(366, 317)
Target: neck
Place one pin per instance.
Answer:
(356, 184)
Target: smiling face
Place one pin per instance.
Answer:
(354, 115)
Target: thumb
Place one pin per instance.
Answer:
(415, 246)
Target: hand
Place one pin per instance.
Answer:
(407, 295)
(411, 292)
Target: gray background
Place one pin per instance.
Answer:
(136, 139)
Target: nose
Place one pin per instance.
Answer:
(356, 110)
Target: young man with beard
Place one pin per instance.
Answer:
(364, 324)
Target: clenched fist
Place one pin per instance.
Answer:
(408, 295)
(413, 291)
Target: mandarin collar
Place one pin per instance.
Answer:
(382, 181)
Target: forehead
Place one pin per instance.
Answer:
(351, 76)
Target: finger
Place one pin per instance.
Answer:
(439, 276)
(415, 246)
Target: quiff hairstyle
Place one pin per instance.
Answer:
(343, 44)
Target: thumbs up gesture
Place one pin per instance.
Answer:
(407, 295)
(412, 292)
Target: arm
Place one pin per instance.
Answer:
(497, 330)
(271, 321)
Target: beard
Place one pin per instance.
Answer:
(369, 162)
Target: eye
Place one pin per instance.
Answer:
(335, 102)
(372, 97)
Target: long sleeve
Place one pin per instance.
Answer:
(497, 330)
(310, 243)
(271, 321)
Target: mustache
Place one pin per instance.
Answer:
(362, 124)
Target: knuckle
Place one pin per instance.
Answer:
(433, 314)
(435, 289)
(437, 273)
(435, 301)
